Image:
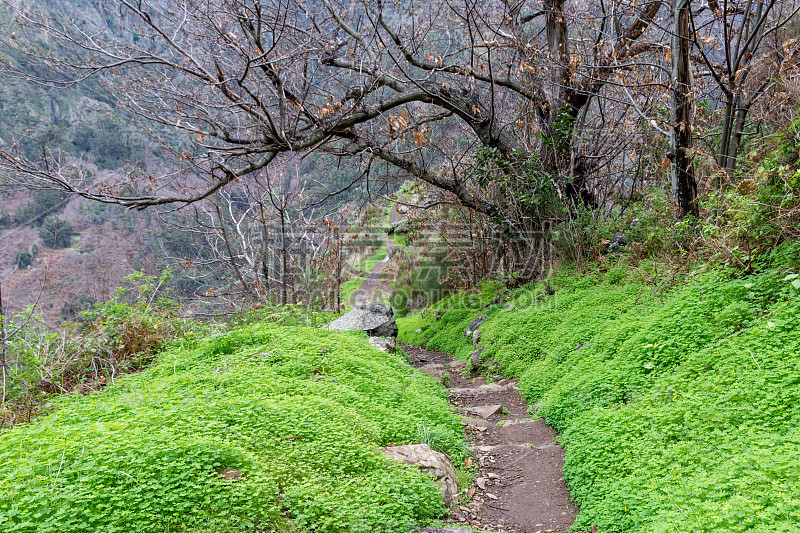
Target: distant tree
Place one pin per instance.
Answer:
(55, 232)
(23, 259)
(108, 141)
(745, 51)
(5, 218)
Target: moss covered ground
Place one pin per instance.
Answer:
(300, 412)
(678, 404)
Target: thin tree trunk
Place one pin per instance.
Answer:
(742, 108)
(725, 136)
(231, 258)
(684, 185)
(284, 260)
(265, 250)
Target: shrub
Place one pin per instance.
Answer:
(55, 232)
(42, 204)
(23, 259)
(299, 412)
(119, 336)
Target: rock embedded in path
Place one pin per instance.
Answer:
(466, 392)
(457, 364)
(485, 411)
(434, 370)
(376, 319)
(477, 423)
(445, 530)
(431, 461)
(475, 358)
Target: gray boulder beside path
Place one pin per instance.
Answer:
(374, 318)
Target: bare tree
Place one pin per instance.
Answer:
(753, 57)
(258, 239)
(417, 86)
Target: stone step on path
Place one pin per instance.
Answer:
(519, 480)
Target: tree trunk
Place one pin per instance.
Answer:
(742, 108)
(231, 258)
(684, 185)
(284, 260)
(725, 137)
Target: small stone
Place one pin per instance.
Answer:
(476, 337)
(431, 461)
(475, 358)
(485, 411)
(481, 482)
(229, 474)
(492, 475)
(537, 406)
(383, 344)
(458, 364)
(491, 496)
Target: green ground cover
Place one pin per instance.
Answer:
(679, 409)
(299, 411)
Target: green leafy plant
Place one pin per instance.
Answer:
(299, 413)
(55, 232)
(677, 406)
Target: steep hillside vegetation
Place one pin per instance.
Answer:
(678, 402)
(300, 413)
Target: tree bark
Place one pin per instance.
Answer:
(684, 185)
(284, 260)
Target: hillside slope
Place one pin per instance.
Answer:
(679, 408)
(299, 412)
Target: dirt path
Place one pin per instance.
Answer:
(520, 485)
(375, 288)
